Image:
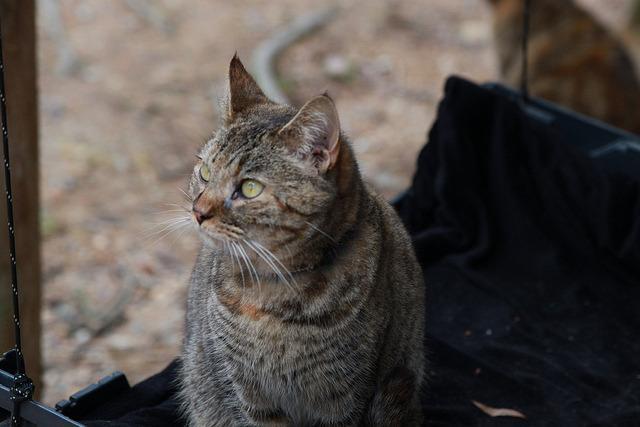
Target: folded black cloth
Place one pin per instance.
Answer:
(531, 254)
(149, 403)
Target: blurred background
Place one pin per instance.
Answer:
(127, 93)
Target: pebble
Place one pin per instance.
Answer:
(337, 67)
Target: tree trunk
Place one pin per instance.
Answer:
(19, 49)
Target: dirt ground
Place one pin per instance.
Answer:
(128, 92)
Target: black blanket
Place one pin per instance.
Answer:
(531, 255)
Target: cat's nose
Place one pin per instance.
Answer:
(200, 215)
(205, 206)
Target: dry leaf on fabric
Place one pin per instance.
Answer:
(498, 412)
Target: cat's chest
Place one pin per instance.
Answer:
(269, 363)
(275, 343)
(254, 337)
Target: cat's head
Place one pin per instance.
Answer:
(271, 172)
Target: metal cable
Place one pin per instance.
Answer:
(22, 387)
(12, 239)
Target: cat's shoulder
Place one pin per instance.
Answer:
(390, 217)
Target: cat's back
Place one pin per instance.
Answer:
(395, 238)
(399, 271)
(403, 293)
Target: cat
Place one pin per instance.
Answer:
(573, 60)
(306, 302)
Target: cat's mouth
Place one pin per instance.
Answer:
(219, 231)
(243, 251)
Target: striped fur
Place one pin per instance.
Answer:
(574, 60)
(328, 331)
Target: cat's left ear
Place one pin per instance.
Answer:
(314, 133)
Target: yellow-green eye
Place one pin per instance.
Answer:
(251, 188)
(205, 173)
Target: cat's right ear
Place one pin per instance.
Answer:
(314, 133)
(243, 91)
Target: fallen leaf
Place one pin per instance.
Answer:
(498, 412)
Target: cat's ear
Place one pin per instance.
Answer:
(243, 91)
(314, 132)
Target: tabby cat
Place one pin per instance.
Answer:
(573, 60)
(306, 303)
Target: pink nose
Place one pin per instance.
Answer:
(205, 206)
(200, 215)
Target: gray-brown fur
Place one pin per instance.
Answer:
(335, 337)
(574, 60)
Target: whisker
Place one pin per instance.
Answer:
(169, 211)
(227, 246)
(182, 230)
(235, 254)
(175, 205)
(163, 225)
(315, 227)
(169, 229)
(171, 220)
(269, 258)
(250, 265)
(167, 223)
(277, 260)
(243, 255)
(269, 262)
(187, 195)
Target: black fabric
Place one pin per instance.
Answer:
(532, 258)
(149, 403)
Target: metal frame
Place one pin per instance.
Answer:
(32, 413)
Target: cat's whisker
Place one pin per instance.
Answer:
(180, 230)
(159, 227)
(160, 231)
(252, 271)
(269, 258)
(168, 211)
(168, 230)
(183, 216)
(269, 262)
(235, 254)
(315, 227)
(171, 220)
(175, 218)
(275, 258)
(175, 205)
(253, 268)
(187, 195)
(289, 252)
(227, 248)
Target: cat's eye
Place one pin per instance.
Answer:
(205, 172)
(251, 189)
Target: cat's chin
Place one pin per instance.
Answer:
(211, 241)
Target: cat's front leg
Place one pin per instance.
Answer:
(266, 418)
(396, 402)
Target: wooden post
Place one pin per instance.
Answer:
(19, 46)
